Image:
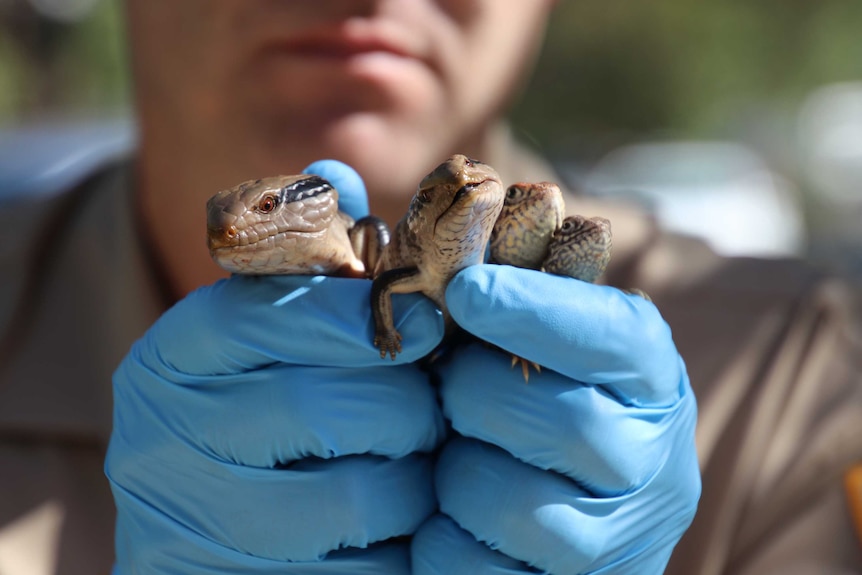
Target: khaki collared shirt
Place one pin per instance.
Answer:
(770, 347)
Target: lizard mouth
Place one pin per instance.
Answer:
(244, 240)
(467, 207)
(256, 238)
(257, 254)
(472, 191)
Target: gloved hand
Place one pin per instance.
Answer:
(256, 429)
(589, 468)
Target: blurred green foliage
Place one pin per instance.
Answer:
(51, 69)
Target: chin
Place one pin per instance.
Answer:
(391, 154)
(355, 106)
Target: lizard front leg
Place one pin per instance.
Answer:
(368, 237)
(398, 280)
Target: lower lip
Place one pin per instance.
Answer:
(341, 57)
(335, 51)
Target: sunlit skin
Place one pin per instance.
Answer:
(233, 90)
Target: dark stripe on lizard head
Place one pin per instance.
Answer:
(305, 188)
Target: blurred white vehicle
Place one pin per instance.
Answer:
(830, 142)
(721, 192)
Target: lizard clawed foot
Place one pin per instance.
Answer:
(639, 292)
(388, 342)
(525, 366)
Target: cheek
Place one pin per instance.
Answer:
(500, 44)
(181, 54)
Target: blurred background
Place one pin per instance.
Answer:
(738, 122)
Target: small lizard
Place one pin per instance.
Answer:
(446, 229)
(580, 248)
(290, 225)
(531, 214)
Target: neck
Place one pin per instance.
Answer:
(171, 206)
(390, 191)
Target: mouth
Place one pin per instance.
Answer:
(467, 203)
(339, 68)
(229, 240)
(344, 41)
(469, 192)
(337, 48)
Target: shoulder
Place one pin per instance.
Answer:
(45, 172)
(38, 162)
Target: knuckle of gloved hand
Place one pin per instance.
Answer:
(570, 544)
(681, 508)
(689, 503)
(689, 487)
(627, 476)
(679, 486)
(192, 324)
(655, 334)
(580, 547)
(658, 360)
(123, 469)
(115, 468)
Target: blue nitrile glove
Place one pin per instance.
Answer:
(257, 430)
(589, 468)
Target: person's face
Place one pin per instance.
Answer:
(390, 86)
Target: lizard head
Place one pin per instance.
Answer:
(581, 248)
(457, 202)
(541, 199)
(531, 213)
(248, 219)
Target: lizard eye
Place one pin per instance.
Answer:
(572, 224)
(423, 196)
(514, 193)
(267, 204)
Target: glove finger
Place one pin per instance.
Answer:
(188, 552)
(279, 414)
(298, 513)
(595, 334)
(556, 423)
(545, 520)
(247, 322)
(352, 197)
(440, 547)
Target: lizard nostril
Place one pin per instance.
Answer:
(231, 232)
